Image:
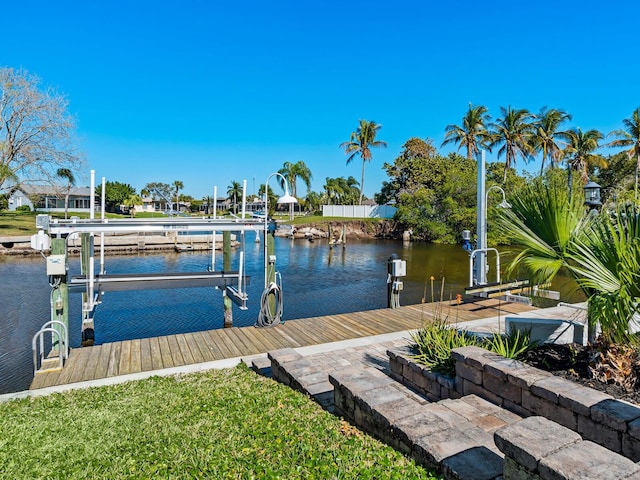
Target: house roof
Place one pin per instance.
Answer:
(54, 190)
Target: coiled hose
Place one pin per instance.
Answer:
(269, 317)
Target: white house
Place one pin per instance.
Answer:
(51, 198)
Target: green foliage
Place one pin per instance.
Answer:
(435, 195)
(23, 208)
(434, 342)
(513, 345)
(217, 424)
(115, 194)
(601, 252)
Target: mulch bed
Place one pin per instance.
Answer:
(572, 362)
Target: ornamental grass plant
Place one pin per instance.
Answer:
(220, 424)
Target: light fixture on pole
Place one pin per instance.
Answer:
(592, 195)
(502, 204)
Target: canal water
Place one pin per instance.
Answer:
(316, 281)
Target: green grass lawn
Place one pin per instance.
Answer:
(219, 424)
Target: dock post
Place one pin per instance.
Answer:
(226, 267)
(60, 303)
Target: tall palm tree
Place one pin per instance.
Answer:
(546, 132)
(579, 152)
(71, 180)
(233, 192)
(360, 143)
(472, 134)
(333, 190)
(177, 185)
(630, 137)
(512, 133)
(293, 171)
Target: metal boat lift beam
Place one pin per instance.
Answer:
(149, 225)
(145, 281)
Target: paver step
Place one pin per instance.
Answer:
(454, 436)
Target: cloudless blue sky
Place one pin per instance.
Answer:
(207, 92)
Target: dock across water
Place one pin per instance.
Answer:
(159, 353)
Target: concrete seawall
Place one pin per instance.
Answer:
(122, 243)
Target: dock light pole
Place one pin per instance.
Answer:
(482, 199)
(269, 247)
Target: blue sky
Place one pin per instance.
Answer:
(208, 92)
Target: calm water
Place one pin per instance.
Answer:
(316, 281)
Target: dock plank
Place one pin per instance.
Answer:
(185, 351)
(165, 352)
(146, 362)
(136, 360)
(114, 360)
(103, 361)
(156, 353)
(124, 364)
(176, 354)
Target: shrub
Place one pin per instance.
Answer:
(434, 343)
(23, 208)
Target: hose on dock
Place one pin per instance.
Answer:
(271, 305)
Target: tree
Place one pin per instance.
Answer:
(313, 202)
(115, 194)
(131, 201)
(442, 199)
(472, 134)
(233, 192)
(360, 143)
(293, 171)
(630, 137)
(36, 132)
(160, 191)
(71, 180)
(546, 132)
(599, 251)
(579, 152)
(512, 133)
(177, 185)
(408, 172)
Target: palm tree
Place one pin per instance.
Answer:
(472, 134)
(546, 131)
(131, 201)
(71, 180)
(630, 137)
(177, 185)
(360, 143)
(512, 133)
(293, 171)
(333, 190)
(579, 152)
(233, 192)
(313, 201)
(599, 252)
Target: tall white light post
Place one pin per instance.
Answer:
(482, 200)
(286, 198)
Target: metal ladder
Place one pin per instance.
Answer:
(48, 363)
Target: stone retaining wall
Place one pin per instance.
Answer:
(529, 391)
(538, 449)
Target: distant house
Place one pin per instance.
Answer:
(51, 198)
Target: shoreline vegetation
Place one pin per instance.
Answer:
(228, 423)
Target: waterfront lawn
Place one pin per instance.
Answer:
(17, 224)
(219, 424)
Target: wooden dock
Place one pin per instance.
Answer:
(148, 354)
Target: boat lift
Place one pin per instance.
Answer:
(54, 235)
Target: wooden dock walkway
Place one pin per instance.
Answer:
(148, 354)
